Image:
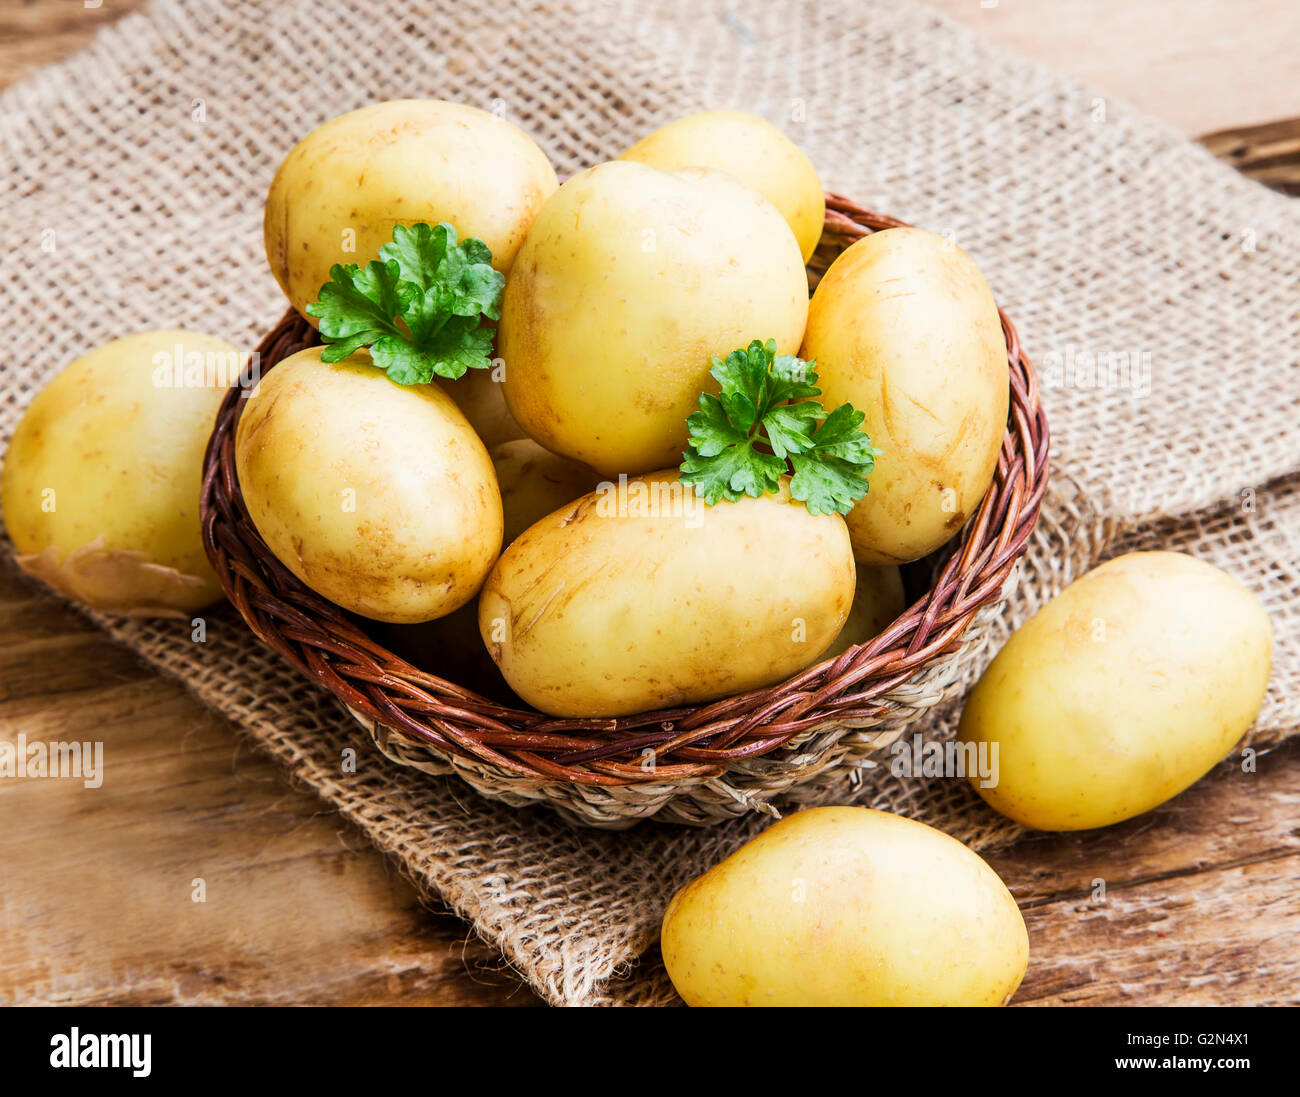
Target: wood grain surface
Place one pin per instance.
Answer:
(1193, 903)
(1201, 64)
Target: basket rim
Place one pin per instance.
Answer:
(686, 743)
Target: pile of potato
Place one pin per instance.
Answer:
(524, 527)
(620, 287)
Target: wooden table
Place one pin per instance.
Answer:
(95, 898)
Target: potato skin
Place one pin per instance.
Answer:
(398, 163)
(845, 906)
(425, 520)
(629, 279)
(535, 482)
(751, 150)
(482, 401)
(877, 603)
(602, 610)
(119, 436)
(904, 327)
(1126, 688)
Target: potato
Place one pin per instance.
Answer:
(904, 327)
(751, 150)
(643, 597)
(376, 495)
(101, 480)
(844, 906)
(482, 401)
(1121, 692)
(343, 188)
(534, 482)
(877, 604)
(629, 279)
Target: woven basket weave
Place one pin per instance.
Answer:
(695, 765)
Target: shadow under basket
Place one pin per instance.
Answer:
(695, 765)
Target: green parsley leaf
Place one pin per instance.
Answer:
(736, 471)
(418, 307)
(790, 426)
(765, 424)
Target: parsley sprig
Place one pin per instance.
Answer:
(417, 307)
(766, 424)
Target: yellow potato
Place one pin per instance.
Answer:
(343, 188)
(844, 906)
(534, 482)
(376, 495)
(482, 401)
(645, 598)
(101, 479)
(904, 327)
(629, 279)
(1121, 692)
(751, 150)
(877, 604)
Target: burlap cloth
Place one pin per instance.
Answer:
(132, 189)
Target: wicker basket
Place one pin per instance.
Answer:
(688, 765)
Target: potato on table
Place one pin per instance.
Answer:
(844, 906)
(101, 478)
(1122, 691)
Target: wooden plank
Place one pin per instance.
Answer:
(1269, 153)
(1205, 65)
(1201, 64)
(1191, 903)
(36, 33)
(1217, 938)
(97, 903)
